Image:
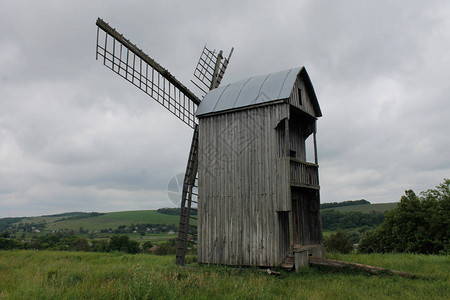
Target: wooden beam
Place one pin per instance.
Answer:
(133, 48)
(315, 261)
(316, 160)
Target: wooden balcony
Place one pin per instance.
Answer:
(304, 174)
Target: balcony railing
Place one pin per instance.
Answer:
(304, 174)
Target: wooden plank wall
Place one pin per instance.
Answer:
(242, 184)
(306, 216)
(306, 99)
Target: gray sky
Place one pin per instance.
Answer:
(74, 136)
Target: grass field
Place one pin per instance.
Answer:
(365, 208)
(79, 275)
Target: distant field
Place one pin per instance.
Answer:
(115, 219)
(81, 275)
(108, 220)
(365, 208)
(154, 237)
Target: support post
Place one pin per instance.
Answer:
(316, 160)
(301, 258)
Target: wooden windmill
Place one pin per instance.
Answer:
(257, 197)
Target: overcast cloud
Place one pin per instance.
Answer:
(74, 136)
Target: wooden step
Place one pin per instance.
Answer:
(288, 266)
(289, 262)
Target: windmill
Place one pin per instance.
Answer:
(248, 174)
(131, 63)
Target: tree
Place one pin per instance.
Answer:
(419, 224)
(166, 248)
(80, 244)
(338, 242)
(9, 244)
(124, 244)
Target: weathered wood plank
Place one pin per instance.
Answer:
(315, 261)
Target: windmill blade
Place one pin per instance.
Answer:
(131, 63)
(210, 69)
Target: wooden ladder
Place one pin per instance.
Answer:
(189, 190)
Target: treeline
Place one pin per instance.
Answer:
(333, 220)
(177, 211)
(174, 211)
(78, 216)
(141, 229)
(344, 203)
(53, 241)
(70, 242)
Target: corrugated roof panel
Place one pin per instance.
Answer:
(212, 98)
(255, 90)
(249, 93)
(229, 95)
(289, 83)
(273, 87)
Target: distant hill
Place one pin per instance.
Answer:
(91, 221)
(115, 219)
(365, 208)
(343, 203)
(360, 217)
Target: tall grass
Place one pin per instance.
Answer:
(79, 275)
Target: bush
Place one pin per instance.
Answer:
(99, 246)
(146, 246)
(338, 242)
(80, 244)
(9, 244)
(166, 248)
(124, 244)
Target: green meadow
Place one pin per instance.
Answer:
(82, 275)
(115, 219)
(104, 221)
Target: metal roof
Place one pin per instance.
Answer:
(249, 92)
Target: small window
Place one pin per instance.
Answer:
(300, 100)
(293, 153)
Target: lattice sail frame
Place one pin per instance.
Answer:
(210, 69)
(131, 63)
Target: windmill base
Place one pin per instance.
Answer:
(299, 256)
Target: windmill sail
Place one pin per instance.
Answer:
(131, 63)
(210, 69)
